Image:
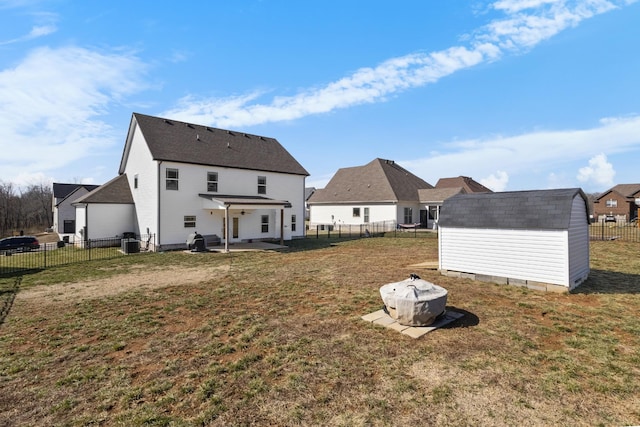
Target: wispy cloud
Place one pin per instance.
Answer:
(525, 24)
(495, 161)
(52, 102)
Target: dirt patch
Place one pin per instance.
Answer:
(137, 279)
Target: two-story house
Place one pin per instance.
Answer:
(617, 202)
(185, 178)
(64, 213)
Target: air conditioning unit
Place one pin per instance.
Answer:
(130, 246)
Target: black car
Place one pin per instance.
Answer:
(19, 244)
(609, 218)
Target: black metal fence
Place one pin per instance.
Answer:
(60, 253)
(372, 229)
(614, 231)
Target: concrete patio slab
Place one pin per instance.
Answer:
(381, 318)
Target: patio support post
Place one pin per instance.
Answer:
(282, 227)
(226, 229)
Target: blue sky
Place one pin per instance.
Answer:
(517, 94)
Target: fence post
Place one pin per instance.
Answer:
(45, 256)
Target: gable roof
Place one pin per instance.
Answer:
(629, 191)
(61, 190)
(465, 182)
(116, 191)
(378, 181)
(537, 209)
(438, 195)
(175, 141)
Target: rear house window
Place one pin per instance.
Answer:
(172, 179)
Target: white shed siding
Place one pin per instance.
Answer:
(578, 243)
(535, 255)
(140, 163)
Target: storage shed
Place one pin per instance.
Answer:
(538, 239)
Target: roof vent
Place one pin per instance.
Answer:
(228, 145)
(167, 122)
(198, 137)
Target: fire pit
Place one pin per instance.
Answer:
(414, 302)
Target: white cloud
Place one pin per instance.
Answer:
(599, 171)
(52, 102)
(515, 32)
(497, 181)
(523, 154)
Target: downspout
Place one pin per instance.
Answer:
(226, 229)
(158, 241)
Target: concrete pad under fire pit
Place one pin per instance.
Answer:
(381, 318)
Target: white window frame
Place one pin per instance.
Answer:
(262, 185)
(189, 221)
(212, 184)
(172, 181)
(611, 203)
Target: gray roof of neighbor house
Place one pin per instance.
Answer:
(175, 141)
(61, 190)
(438, 195)
(536, 209)
(627, 190)
(465, 182)
(116, 191)
(378, 181)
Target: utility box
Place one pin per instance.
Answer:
(130, 246)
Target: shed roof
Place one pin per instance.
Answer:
(378, 181)
(536, 209)
(176, 141)
(116, 191)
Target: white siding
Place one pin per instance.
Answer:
(81, 221)
(145, 197)
(534, 255)
(109, 220)
(66, 211)
(343, 214)
(578, 243)
(174, 205)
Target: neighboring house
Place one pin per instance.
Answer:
(618, 201)
(377, 192)
(107, 211)
(64, 213)
(432, 199)
(308, 192)
(185, 178)
(469, 185)
(538, 239)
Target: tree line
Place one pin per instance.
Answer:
(25, 210)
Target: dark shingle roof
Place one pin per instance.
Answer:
(116, 191)
(61, 190)
(378, 181)
(465, 182)
(537, 209)
(172, 140)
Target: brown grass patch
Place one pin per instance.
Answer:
(276, 339)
